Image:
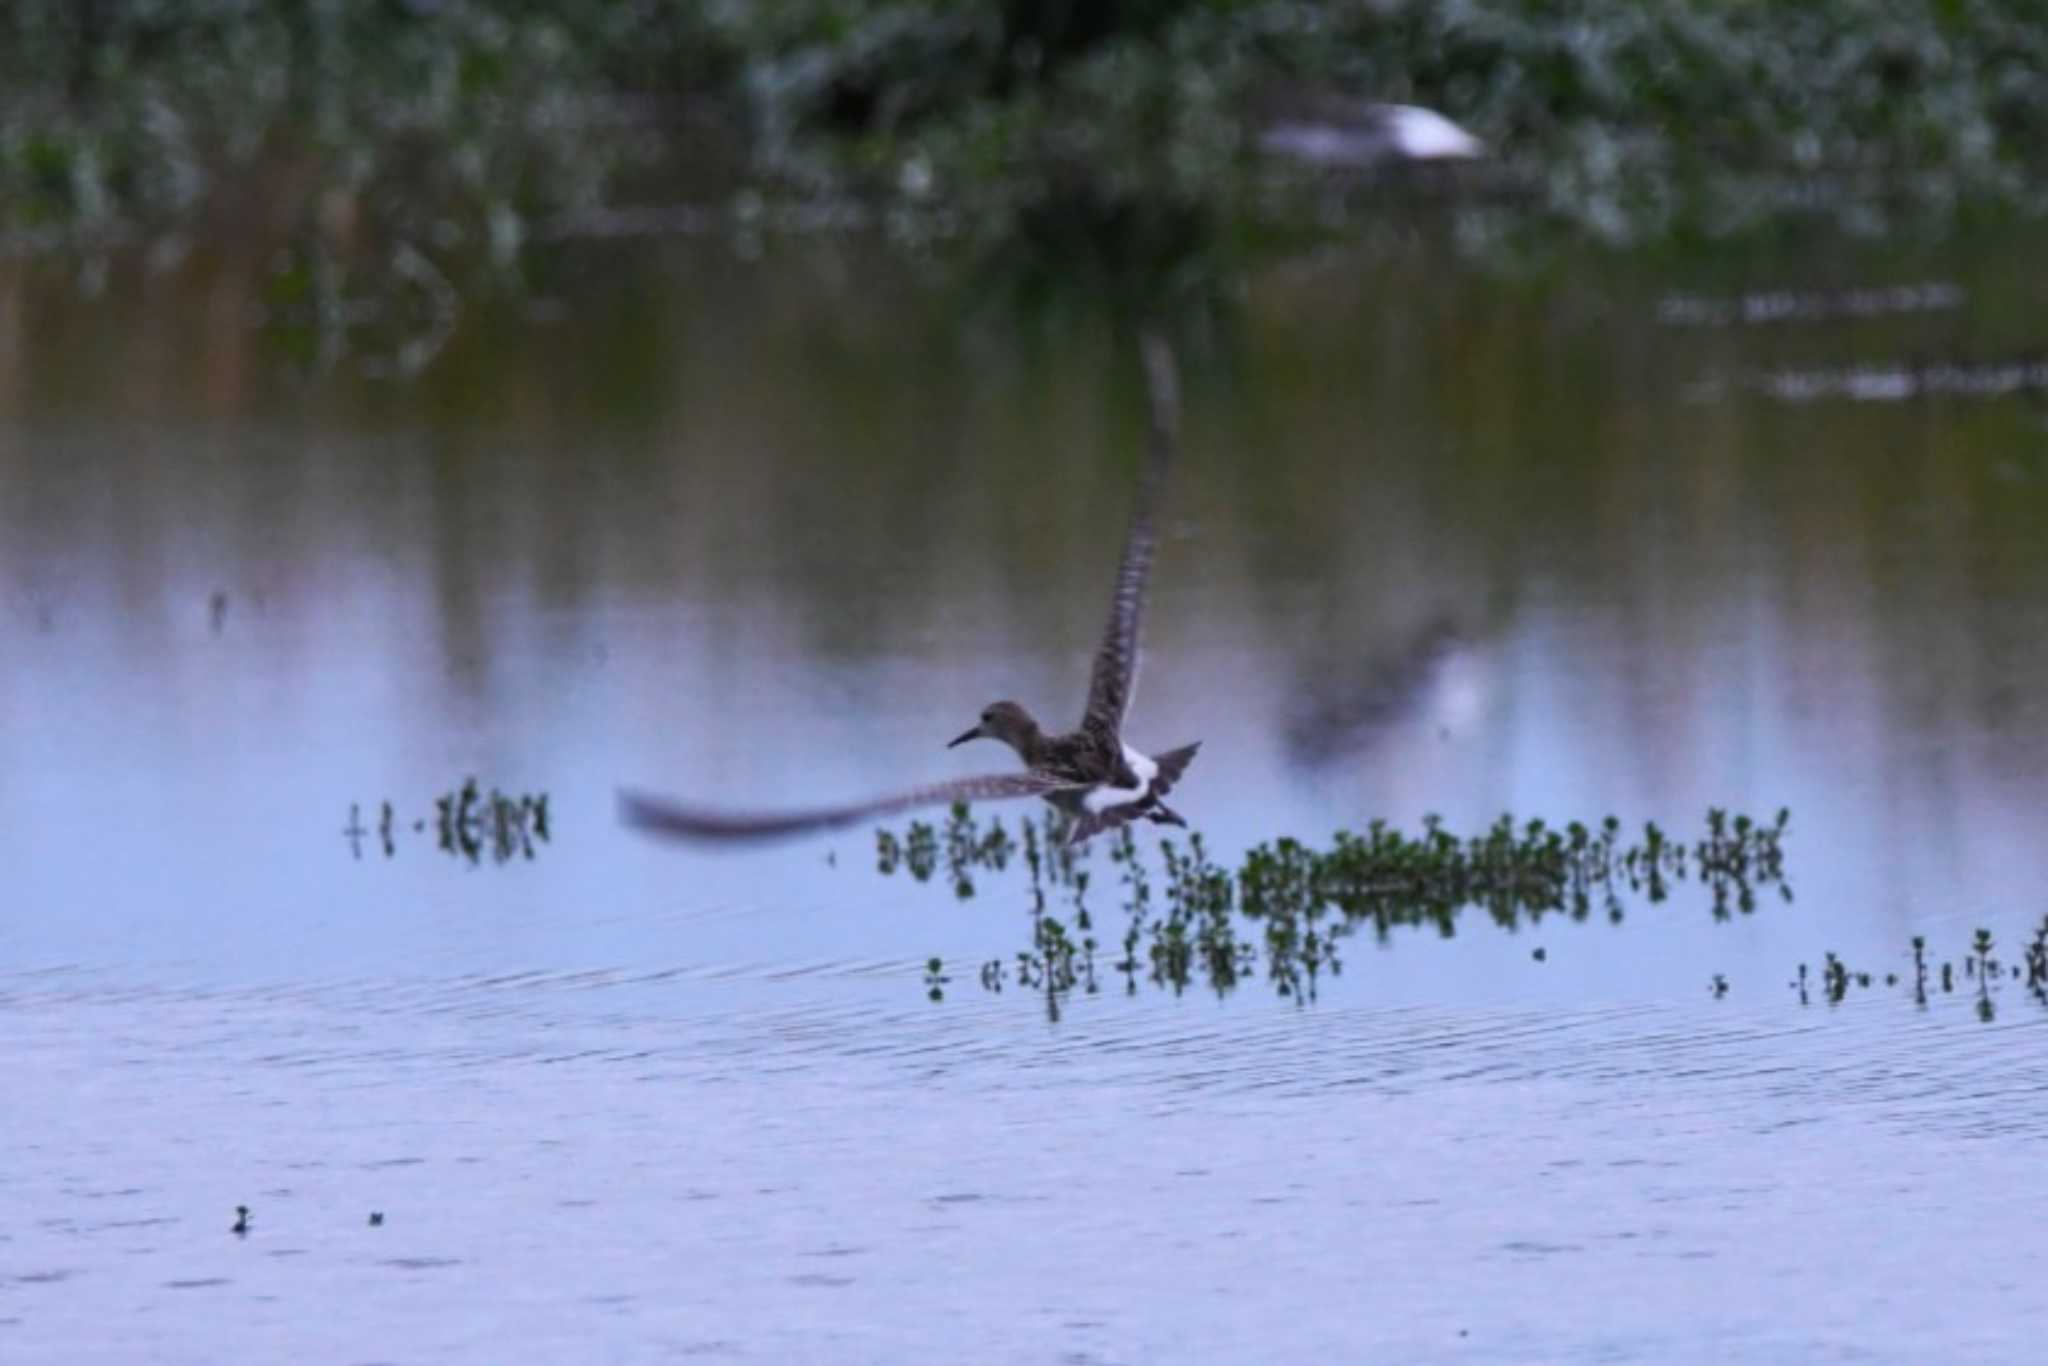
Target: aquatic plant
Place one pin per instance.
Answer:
(1981, 964)
(468, 824)
(2037, 962)
(1053, 966)
(1836, 976)
(962, 846)
(1978, 964)
(471, 822)
(1289, 906)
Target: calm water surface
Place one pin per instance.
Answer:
(1560, 546)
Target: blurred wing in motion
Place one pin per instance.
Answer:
(673, 820)
(1114, 679)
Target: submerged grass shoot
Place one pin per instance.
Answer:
(1989, 973)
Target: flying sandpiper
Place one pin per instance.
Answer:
(1090, 773)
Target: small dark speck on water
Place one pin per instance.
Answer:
(240, 1228)
(1539, 954)
(376, 1218)
(820, 1280)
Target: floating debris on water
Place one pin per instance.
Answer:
(240, 1228)
(1288, 906)
(376, 1218)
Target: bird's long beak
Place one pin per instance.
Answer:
(974, 734)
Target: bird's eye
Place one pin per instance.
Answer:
(988, 716)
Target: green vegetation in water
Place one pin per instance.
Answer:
(1287, 908)
(469, 824)
(1979, 965)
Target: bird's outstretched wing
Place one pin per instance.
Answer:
(1114, 680)
(674, 820)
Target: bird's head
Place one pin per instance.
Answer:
(1005, 721)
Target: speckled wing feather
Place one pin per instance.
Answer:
(1114, 680)
(676, 820)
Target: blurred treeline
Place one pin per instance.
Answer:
(463, 127)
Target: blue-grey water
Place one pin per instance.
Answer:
(1622, 539)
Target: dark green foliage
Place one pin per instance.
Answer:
(431, 119)
(461, 124)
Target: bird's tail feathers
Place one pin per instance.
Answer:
(1172, 764)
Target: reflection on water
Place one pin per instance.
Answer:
(1440, 544)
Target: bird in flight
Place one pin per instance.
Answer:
(1090, 773)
